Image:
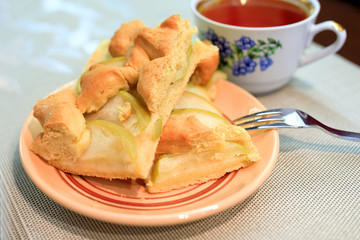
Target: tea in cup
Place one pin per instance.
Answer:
(263, 42)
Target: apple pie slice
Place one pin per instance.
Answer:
(111, 124)
(132, 113)
(198, 144)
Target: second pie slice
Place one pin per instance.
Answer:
(111, 124)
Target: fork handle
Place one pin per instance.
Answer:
(352, 136)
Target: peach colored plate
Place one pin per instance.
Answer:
(127, 202)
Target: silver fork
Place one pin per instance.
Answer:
(289, 118)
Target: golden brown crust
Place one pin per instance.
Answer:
(114, 171)
(183, 134)
(151, 86)
(65, 135)
(162, 81)
(124, 37)
(206, 66)
(169, 72)
(208, 60)
(158, 42)
(137, 58)
(173, 22)
(101, 83)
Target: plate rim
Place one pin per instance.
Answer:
(150, 220)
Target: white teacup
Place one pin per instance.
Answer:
(263, 59)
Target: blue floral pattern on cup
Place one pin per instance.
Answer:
(244, 55)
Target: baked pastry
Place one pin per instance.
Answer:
(198, 144)
(132, 113)
(126, 100)
(65, 135)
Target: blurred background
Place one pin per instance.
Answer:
(347, 13)
(52, 39)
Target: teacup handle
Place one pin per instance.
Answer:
(334, 47)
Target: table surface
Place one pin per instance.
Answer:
(313, 192)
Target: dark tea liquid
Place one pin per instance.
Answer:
(252, 13)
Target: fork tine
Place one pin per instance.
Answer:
(258, 114)
(268, 126)
(263, 120)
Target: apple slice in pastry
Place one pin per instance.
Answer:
(198, 144)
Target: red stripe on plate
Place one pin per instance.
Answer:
(146, 198)
(147, 205)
